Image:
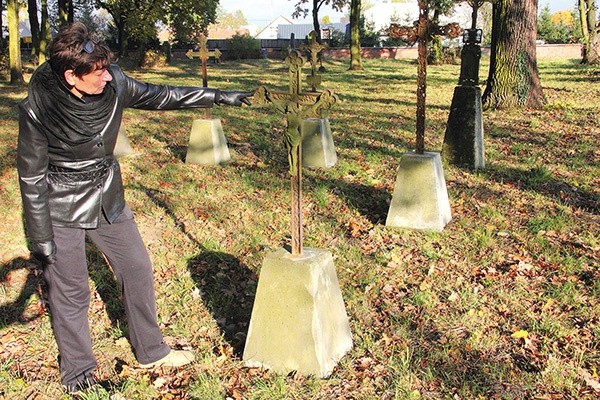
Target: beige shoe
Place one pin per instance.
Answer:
(176, 358)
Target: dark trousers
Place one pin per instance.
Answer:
(69, 294)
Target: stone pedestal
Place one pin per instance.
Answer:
(318, 149)
(463, 142)
(299, 321)
(207, 145)
(122, 148)
(420, 199)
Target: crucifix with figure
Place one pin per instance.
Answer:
(204, 54)
(296, 106)
(299, 321)
(313, 49)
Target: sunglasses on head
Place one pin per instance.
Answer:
(89, 47)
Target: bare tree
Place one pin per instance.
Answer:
(513, 78)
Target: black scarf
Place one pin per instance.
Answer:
(71, 119)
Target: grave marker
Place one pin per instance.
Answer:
(299, 321)
(207, 144)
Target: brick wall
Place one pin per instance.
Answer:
(544, 52)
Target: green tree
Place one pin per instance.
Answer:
(550, 31)
(513, 78)
(135, 20)
(369, 37)
(326, 20)
(437, 8)
(235, 19)
(301, 10)
(189, 18)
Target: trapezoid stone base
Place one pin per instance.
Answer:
(420, 199)
(207, 145)
(122, 147)
(463, 141)
(318, 149)
(299, 320)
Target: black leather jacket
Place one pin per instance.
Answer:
(70, 186)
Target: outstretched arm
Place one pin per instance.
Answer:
(233, 97)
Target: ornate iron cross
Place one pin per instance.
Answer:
(313, 49)
(296, 106)
(204, 54)
(422, 31)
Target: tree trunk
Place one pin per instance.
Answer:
(34, 27)
(513, 78)
(14, 43)
(1, 24)
(63, 12)
(585, 34)
(355, 58)
(592, 48)
(315, 17)
(45, 35)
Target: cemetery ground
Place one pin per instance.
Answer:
(504, 303)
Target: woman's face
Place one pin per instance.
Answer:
(91, 83)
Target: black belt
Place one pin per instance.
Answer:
(66, 175)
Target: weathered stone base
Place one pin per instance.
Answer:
(207, 145)
(299, 321)
(420, 199)
(123, 147)
(318, 149)
(463, 142)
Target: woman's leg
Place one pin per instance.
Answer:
(68, 300)
(122, 245)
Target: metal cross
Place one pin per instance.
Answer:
(313, 49)
(296, 106)
(203, 54)
(422, 32)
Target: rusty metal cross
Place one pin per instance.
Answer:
(204, 54)
(421, 32)
(296, 106)
(313, 49)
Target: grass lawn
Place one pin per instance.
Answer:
(504, 303)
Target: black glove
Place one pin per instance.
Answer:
(44, 251)
(232, 97)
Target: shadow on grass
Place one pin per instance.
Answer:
(228, 289)
(540, 180)
(14, 312)
(107, 287)
(371, 202)
(227, 285)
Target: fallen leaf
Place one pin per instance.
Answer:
(521, 334)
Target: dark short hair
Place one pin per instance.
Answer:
(76, 48)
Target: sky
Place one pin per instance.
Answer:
(261, 12)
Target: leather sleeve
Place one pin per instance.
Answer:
(32, 166)
(149, 96)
